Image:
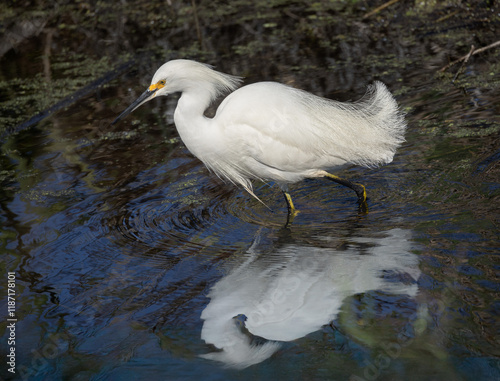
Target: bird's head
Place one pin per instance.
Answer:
(164, 82)
(184, 75)
(157, 87)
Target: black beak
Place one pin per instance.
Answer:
(143, 98)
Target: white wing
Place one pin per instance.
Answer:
(280, 126)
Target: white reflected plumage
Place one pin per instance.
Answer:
(297, 290)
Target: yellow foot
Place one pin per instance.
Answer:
(290, 217)
(361, 192)
(292, 212)
(363, 208)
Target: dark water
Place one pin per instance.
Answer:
(132, 261)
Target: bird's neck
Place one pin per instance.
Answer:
(193, 126)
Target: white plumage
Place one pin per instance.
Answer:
(273, 132)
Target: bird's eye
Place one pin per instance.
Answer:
(162, 82)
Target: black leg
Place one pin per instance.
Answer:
(358, 188)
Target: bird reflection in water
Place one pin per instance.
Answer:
(287, 294)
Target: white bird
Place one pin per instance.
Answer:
(272, 132)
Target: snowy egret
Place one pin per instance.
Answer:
(272, 132)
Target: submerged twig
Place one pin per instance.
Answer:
(467, 56)
(378, 9)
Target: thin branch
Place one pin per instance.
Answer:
(446, 17)
(486, 47)
(467, 56)
(472, 48)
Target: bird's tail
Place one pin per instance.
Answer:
(366, 132)
(378, 125)
(384, 127)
